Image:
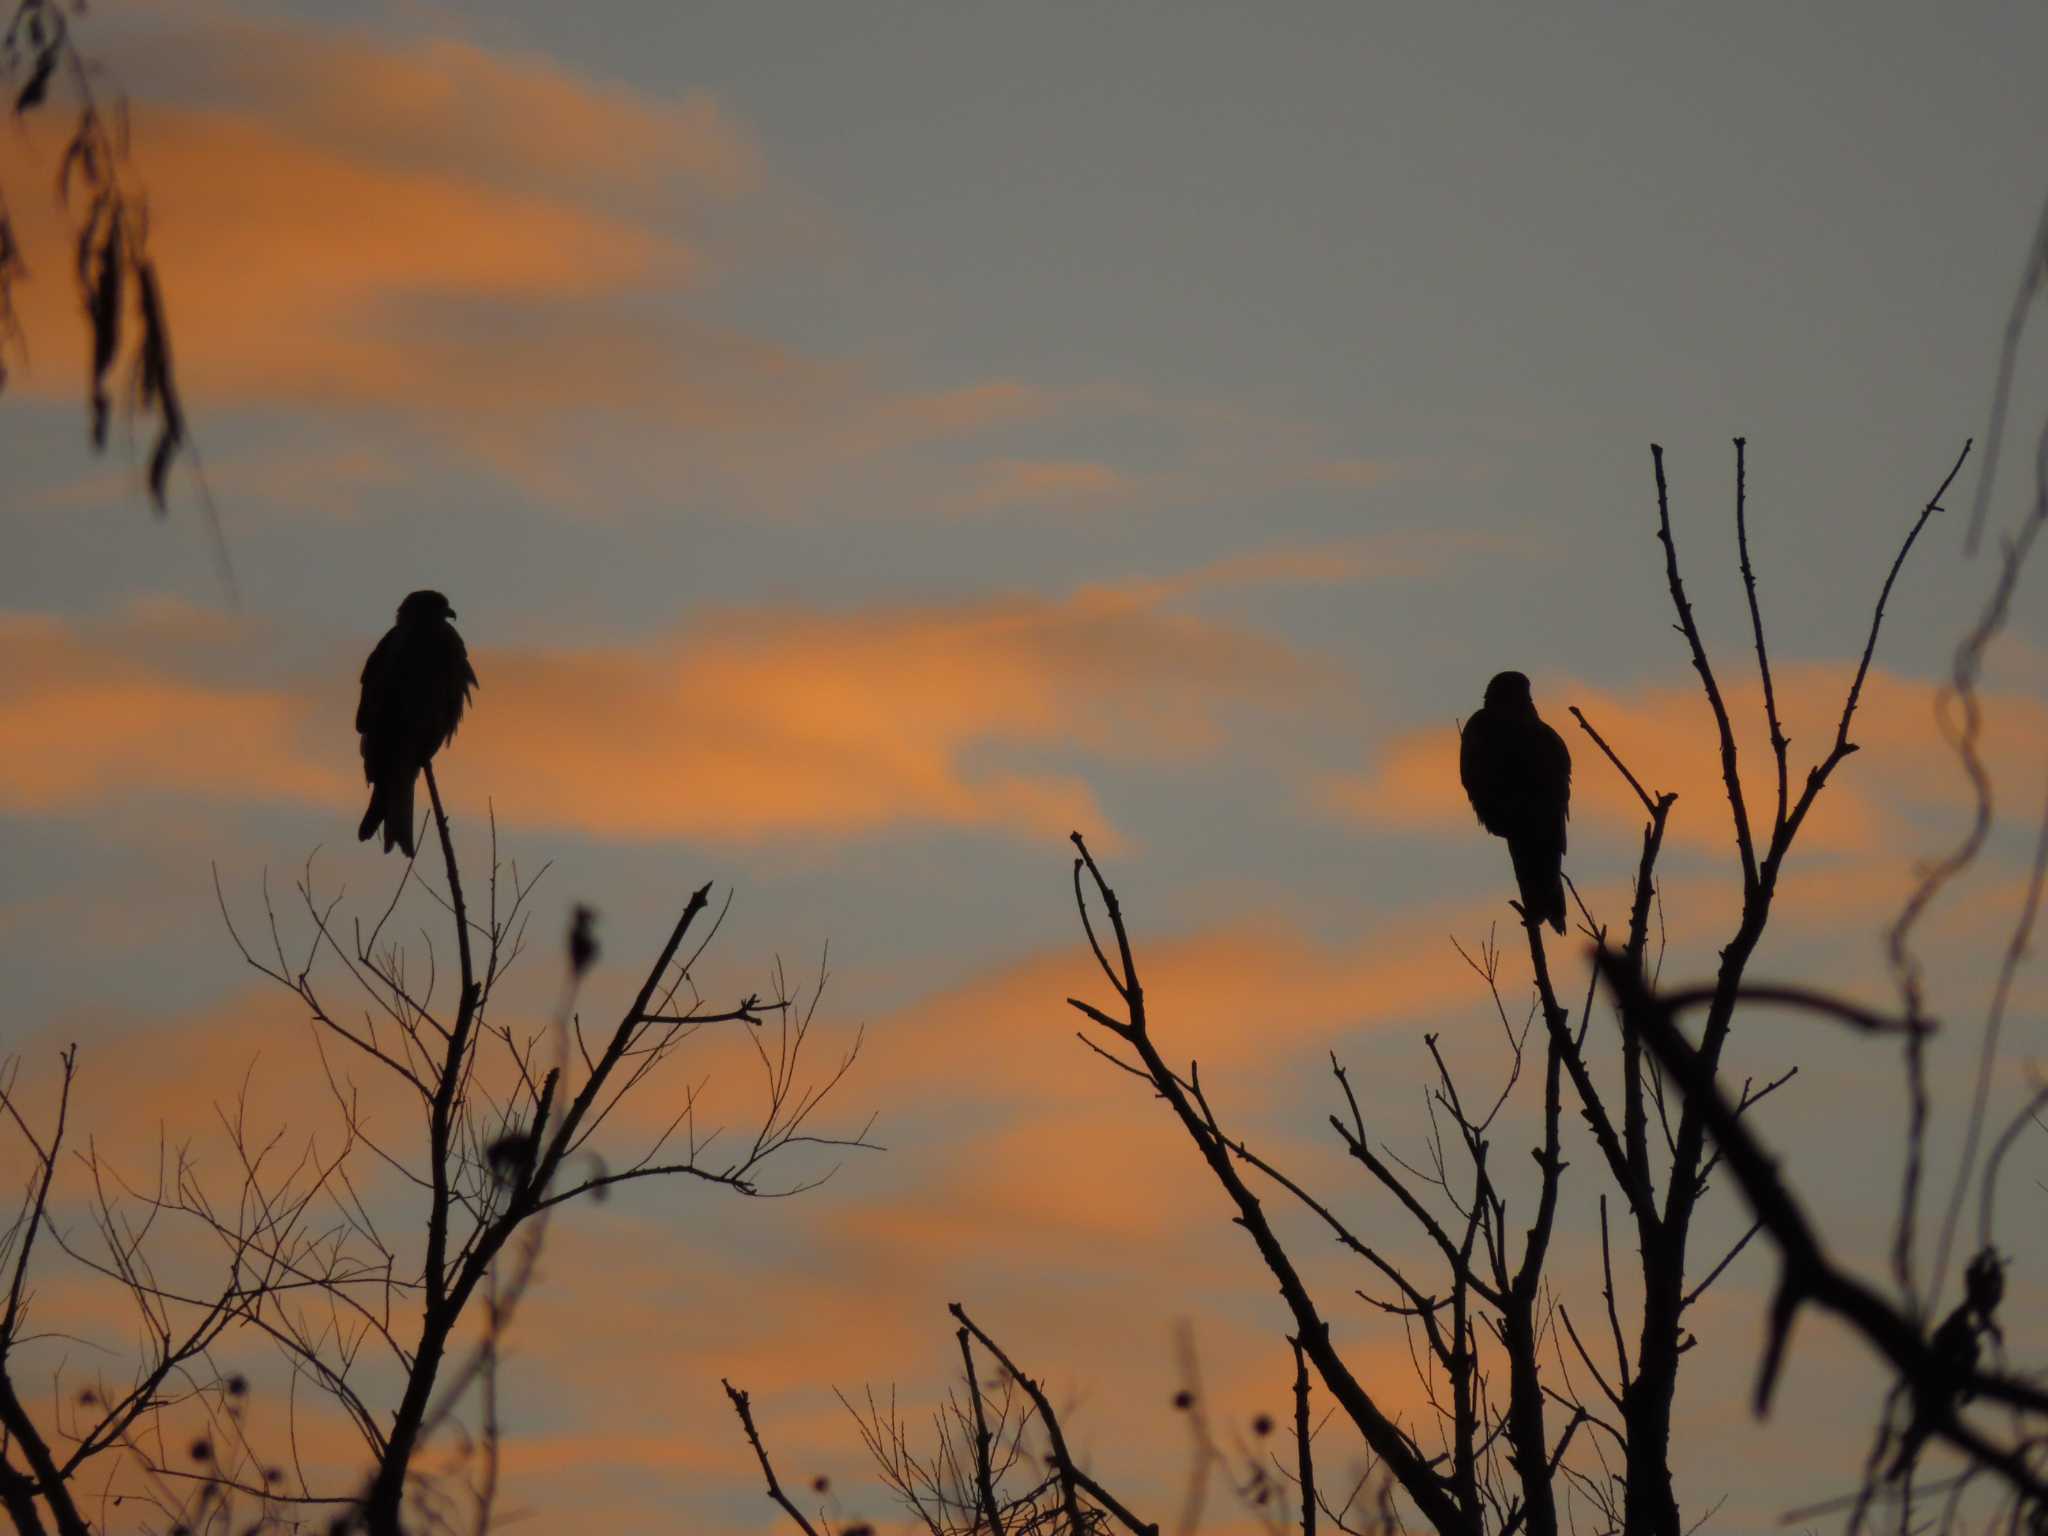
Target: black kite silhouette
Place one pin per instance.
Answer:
(1517, 773)
(414, 687)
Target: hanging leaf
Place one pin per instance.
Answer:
(106, 327)
(168, 440)
(11, 267)
(157, 385)
(38, 84)
(88, 241)
(152, 364)
(79, 156)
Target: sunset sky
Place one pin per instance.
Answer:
(864, 443)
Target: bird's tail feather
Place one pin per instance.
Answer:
(398, 817)
(1539, 874)
(391, 805)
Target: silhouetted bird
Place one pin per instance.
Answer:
(414, 687)
(1518, 776)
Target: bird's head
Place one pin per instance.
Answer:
(424, 608)
(1509, 690)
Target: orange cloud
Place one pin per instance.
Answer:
(487, 246)
(484, 243)
(742, 724)
(83, 719)
(510, 117)
(1250, 997)
(745, 725)
(508, 254)
(146, 1082)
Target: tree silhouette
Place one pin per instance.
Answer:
(1536, 1423)
(1539, 1424)
(371, 1316)
(103, 1418)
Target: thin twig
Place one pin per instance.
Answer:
(742, 1407)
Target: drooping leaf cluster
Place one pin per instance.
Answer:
(115, 272)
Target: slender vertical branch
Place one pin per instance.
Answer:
(1634, 1110)
(2016, 950)
(461, 909)
(449, 1079)
(45, 1478)
(1607, 1293)
(1731, 779)
(741, 1406)
(1303, 1441)
(2033, 282)
(984, 1483)
(1526, 1435)
(1756, 624)
(1817, 777)
(39, 1200)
